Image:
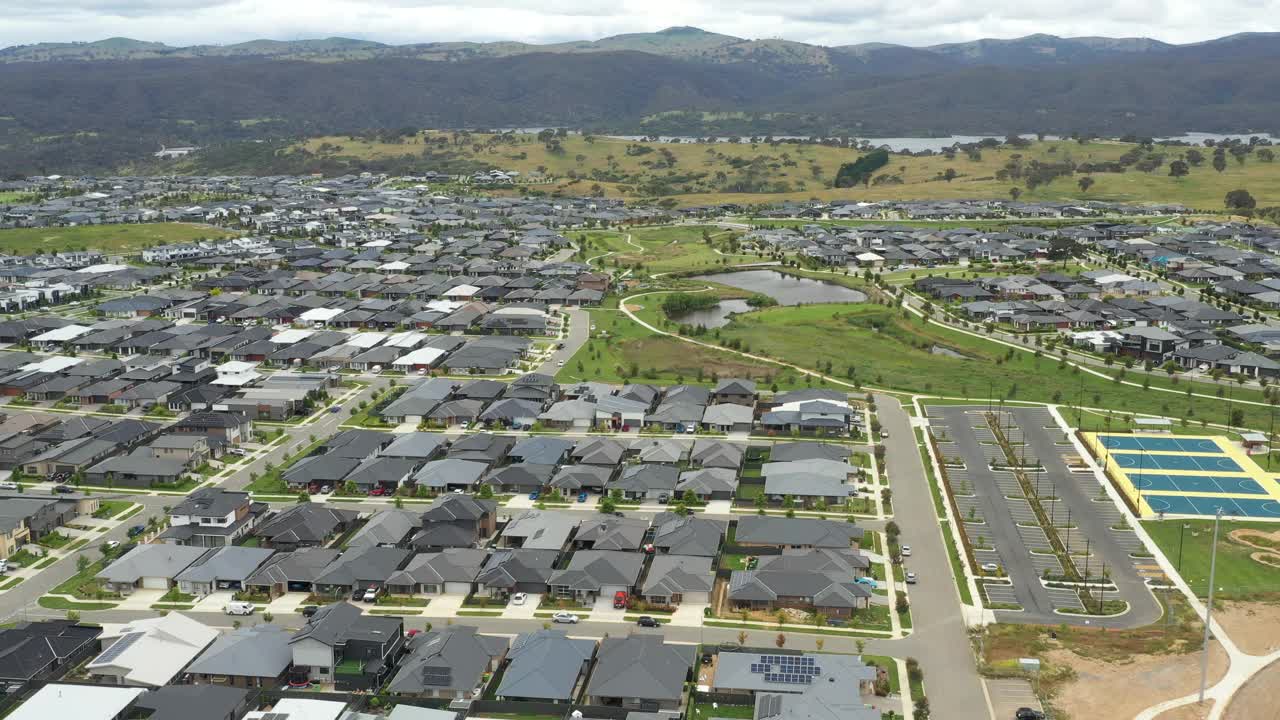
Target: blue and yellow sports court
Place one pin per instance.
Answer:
(1193, 476)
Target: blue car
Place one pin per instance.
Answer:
(534, 495)
(582, 497)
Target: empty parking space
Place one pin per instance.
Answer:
(1065, 599)
(1001, 594)
(1007, 696)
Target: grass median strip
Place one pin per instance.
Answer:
(479, 613)
(58, 603)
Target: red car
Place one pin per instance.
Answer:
(376, 491)
(620, 600)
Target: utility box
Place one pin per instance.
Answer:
(1030, 665)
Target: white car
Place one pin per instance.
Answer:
(370, 595)
(990, 567)
(236, 607)
(559, 363)
(565, 617)
(906, 551)
(519, 598)
(10, 485)
(911, 578)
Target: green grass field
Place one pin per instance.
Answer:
(701, 173)
(1238, 576)
(106, 238)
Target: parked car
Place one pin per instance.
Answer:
(582, 496)
(565, 617)
(990, 567)
(535, 494)
(136, 530)
(1026, 713)
(647, 621)
(664, 498)
(325, 490)
(8, 485)
(111, 544)
(519, 598)
(357, 594)
(559, 363)
(620, 600)
(868, 581)
(906, 551)
(706, 658)
(376, 491)
(237, 607)
(63, 489)
(237, 451)
(370, 595)
(309, 610)
(335, 409)
(911, 578)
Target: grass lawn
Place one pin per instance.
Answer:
(896, 352)
(705, 711)
(82, 583)
(131, 513)
(55, 540)
(402, 601)
(957, 566)
(111, 508)
(1238, 576)
(10, 583)
(886, 663)
(57, 603)
(480, 613)
(107, 238)
(172, 606)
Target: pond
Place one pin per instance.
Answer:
(786, 289)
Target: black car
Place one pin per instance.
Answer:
(357, 594)
(309, 610)
(1026, 713)
(63, 489)
(136, 530)
(647, 621)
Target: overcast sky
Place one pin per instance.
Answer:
(827, 22)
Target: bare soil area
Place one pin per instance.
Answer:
(1104, 689)
(1259, 697)
(1253, 626)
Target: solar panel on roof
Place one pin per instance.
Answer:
(119, 646)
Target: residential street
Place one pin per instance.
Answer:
(940, 640)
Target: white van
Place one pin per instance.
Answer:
(238, 607)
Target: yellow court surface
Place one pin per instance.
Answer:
(1187, 475)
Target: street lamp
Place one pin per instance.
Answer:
(1182, 534)
(1208, 611)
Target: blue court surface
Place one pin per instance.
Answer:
(1160, 444)
(1239, 507)
(1175, 462)
(1196, 484)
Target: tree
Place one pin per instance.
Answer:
(82, 563)
(303, 497)
(1178, 168)
(1266, 154)
(1195, 157)
(1085, 183)
(608, 506)
(780, 640)
(950, 174)
(1219, 162)
(1015, 193)
(1240, 200)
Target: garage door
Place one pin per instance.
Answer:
(155, 583)
(454, 588)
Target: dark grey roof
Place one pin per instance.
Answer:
(545, 665)
(451, 659)
(257, 651)
(640, 666)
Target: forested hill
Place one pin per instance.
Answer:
(67, 113)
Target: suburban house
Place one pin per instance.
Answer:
(149, 567)
(341, 645)
(456, 521)
(150, 652)
(611, 533)
(225, 568)
(646, 481)
(593, 574)
(362, 568)
(294, 571)
(735, 391)
(451, 571)
(517, 570)
(676, 579)
(539, 530)
(821, 581)
(212, 517)
(44, 651)
(545, 666)
(641, 672)
(304, 525)
(795, 533)
(258, 656)
(687, 535)
(449, 663)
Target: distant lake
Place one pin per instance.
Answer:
(1198, 138)
(786, 289)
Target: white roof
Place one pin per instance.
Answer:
(62, 334)
(103, 268)
(446, 306)
(82, 702)
(421, 356)
(869, 257)
(463, 290)
(320, 314)
(506, 310)
(405, 339)
(1113, 278)
(394, 265)
(298, 709)
(235, 367)
(56, 363)
(289, 337)
(366, 340)
(153, 651)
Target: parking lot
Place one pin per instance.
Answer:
(1007, 696)
(1002, 524)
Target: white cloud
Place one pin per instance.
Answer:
(828, 22)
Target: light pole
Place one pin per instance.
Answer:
(1182, 534)
(1208, 611)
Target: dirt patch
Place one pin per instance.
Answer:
(1253, 626)
(1194, 711)
(1104, 689)
(633, 307)
(1256, 538)
(1258, 698)
(1266, 558)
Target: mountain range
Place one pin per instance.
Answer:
(97, 105)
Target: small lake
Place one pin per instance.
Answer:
(786, 289)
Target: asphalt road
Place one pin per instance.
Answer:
(579, 332)
(940, 640)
